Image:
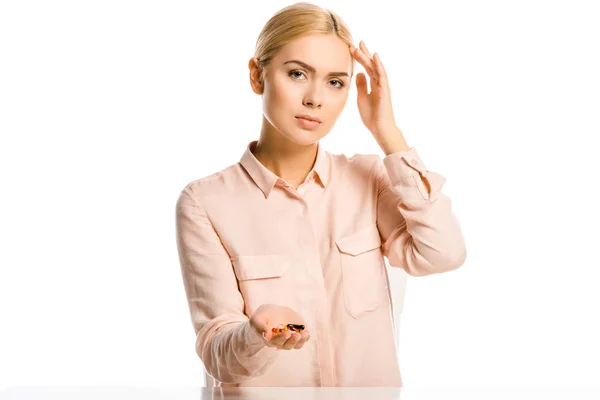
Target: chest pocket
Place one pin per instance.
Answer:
(261, 279)
(363, 270)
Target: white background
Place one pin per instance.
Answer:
(108, 108)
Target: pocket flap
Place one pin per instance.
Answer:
(360, 241)
(261, 266)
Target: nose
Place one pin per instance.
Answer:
(313, 98)
(312, 103)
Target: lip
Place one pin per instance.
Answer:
(308, 117)
(307, 123)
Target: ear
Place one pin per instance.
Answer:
(256, 79)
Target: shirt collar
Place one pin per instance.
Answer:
(265, 179)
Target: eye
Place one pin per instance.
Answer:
(295, 71)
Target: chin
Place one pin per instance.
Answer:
(303, 138)
(299, 136)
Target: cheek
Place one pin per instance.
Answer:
(343, 97)
(277, 106)
(286, 93)
(280, 98)
(337, 103)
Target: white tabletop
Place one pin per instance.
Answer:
(294, 393)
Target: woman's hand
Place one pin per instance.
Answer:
(269, 316)
(376, 107)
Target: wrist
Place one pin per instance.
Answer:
(391, 140)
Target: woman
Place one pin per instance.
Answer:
(292, 234)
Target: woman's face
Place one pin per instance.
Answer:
(312, 76)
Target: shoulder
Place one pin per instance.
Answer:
(362, 163)
(212, 184)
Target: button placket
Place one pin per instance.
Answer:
(307, 235)
(301, 190)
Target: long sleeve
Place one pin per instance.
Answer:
(419, 230)
(229, 348)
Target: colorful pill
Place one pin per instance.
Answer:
(296, 326)
(290, 327)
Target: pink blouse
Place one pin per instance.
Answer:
(246, 237)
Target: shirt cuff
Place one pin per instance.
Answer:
(402, 164)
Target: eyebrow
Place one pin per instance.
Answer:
(312, 69)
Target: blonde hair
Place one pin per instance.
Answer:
(293, 22)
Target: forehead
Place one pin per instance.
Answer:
(324, 52)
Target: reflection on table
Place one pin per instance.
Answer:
(297, 393)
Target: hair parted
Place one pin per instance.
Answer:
(293, 22)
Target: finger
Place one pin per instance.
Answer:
(363, 47)
(361, 84)
(353, 50)
(284, 339)
(380, 70)
(268, 334)
(367, 59)
(292, 341)
(275, 339)
(301, 342)
(364, 60)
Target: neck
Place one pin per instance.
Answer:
(289, 161)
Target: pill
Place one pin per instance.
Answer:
(289, 327)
